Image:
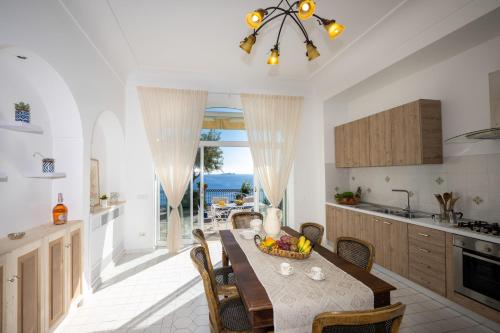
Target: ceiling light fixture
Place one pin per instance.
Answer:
(297, 11)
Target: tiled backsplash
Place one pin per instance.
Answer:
(475, 179)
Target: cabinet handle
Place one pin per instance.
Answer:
(389, 223)
(423, 250)
(14, 278)
(422, 234)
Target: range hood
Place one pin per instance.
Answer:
(492, 133)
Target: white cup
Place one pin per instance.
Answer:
(316, 272)
(286, 268)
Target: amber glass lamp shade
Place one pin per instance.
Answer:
(254, 19)
(312, 52)
(306, 9)
(247, 43)
(333, 28)
(274, 57)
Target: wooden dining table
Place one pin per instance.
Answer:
(254, 295)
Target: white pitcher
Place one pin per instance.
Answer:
(272, 222)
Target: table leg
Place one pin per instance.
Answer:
(225, 259)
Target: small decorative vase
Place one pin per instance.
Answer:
(104, 203)
(272, 222)
(23, 116)
(48, 165)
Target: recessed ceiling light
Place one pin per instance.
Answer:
(22, 57)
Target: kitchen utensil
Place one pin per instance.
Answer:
(452, 202)
(442, 207)
(455, 216)
(446, 197)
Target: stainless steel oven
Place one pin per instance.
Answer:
(477, 270)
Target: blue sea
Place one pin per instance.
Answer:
(225, 180)
(217, 181)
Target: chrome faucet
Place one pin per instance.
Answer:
(408, 198)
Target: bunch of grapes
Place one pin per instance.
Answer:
(287, 243)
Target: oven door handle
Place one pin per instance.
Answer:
(480, 258)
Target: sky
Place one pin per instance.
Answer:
(236, 159)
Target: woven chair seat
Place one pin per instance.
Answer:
(234, 315)
(224, 275)
(383, 327)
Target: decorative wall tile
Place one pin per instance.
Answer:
(477, 200)
(411, 194)
(336, 188)
(353, 178)
(369, 190)
(439, 180)
(387, 179)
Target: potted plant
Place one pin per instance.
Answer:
(104, 201)
(22, 112)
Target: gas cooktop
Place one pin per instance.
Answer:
(480, 227)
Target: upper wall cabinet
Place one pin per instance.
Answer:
(409, 134)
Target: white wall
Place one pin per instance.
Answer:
(50, 33)
(461, 83)
(306, 191)
(25, 203)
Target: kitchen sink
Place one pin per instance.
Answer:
(392, 211)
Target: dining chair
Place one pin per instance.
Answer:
(241, 220)
(312, 231)
(223, 277)
(356, 251)
(380, 320)
(226, 315)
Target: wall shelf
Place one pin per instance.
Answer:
(46, 175)
(20, 126)
(3, 176)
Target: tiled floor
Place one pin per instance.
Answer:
(161, 293)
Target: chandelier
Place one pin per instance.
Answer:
(297, 11)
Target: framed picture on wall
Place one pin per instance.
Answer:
(94, 182)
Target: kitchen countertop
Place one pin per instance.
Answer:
(424, 222)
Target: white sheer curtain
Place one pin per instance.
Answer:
(272, 123)
(173, 120)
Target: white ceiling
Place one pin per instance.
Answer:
(203, 36)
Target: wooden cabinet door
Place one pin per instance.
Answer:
(340, 147)
(351, 137)
(28, 300)
(76, 263)
(406, 134)
(330, 223)
(340, 226)
(381, 241)
(56, 280)
(363, 133)
(380, 139)
(399, 248)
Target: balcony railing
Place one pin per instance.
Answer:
(229, 194)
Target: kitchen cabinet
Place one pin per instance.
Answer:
(410, 134)
(389, 237)
(380, 139)
(34, 277)
(56, 280)
(76, 263)
(390, 240)
(340, 144)
(28, 294)
(427, 254)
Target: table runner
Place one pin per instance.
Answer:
(297, 299)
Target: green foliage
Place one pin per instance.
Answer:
(21, 106)
(246, 188)
(104, 197)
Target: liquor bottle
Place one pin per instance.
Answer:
(60, 212)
